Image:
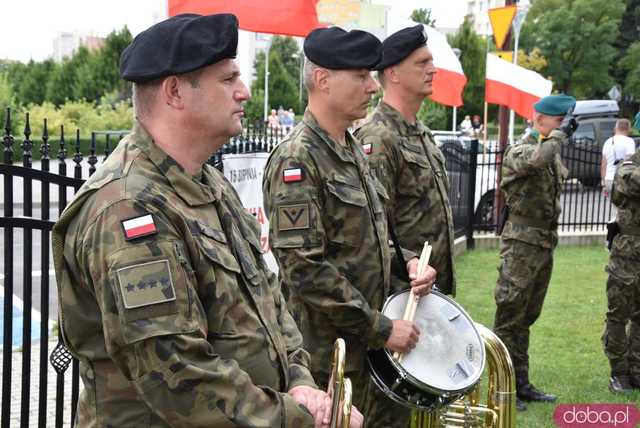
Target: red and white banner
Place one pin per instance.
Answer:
(245, 173)
(449, 81)
(513, 86)
(286, 17)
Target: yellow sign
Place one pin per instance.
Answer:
(501, 18)
(505, 55)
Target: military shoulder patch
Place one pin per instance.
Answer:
(292, 175)
(138, 227)
(147, 283)
(292, 217)
(367, 148)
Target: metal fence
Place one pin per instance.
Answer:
(36, 386)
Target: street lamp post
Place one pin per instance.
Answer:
(518, 20)
(458, 52)
(296, 56)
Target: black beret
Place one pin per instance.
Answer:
(401, 44)
(336, 49)
(178, 45)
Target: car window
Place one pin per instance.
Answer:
(585, 134)
(606, 129)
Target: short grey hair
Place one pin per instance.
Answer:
(143, 97)
(309, 68)
(623, 125)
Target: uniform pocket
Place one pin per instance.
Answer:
(347, 212)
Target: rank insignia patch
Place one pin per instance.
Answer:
(367, 148)
(146, 284)
(139, 226)
(292, 175)
(292, 217)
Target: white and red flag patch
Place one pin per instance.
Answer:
(139, 226)
(292, 175)
(367, 148)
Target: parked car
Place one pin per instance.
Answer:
(583, 152)
(456, 148)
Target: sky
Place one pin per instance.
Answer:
(29, 27)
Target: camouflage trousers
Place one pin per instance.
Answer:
(524, 274)
(379, 411)
(621, 338)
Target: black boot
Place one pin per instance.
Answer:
(529, 392)
(520, 405)
(620, 384)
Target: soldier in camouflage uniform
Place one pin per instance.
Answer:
(404, 156)
(164, 296)
(328, 228)
(622, 347)
(532, 178)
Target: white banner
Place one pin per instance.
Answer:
(245, 172)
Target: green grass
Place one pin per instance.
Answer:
(566, 356)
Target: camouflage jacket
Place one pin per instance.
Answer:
(532, 178)
(166, 301)
(412, 169)
(626, 192)
(328, 232)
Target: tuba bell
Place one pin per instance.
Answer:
(339, 388)
(499, 412)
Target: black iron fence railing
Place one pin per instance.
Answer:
(41, 173)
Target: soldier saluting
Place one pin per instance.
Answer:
(165, 298)
(532, 179)
(328, 225)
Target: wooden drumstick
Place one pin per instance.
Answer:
(412, 302)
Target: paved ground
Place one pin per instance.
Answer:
(16, 389)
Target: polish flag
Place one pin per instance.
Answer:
(286, 17)
(513, 86)
(449, 80)
(291, 175)
(139, 226)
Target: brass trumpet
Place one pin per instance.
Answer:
(339, 388)
(499, 412)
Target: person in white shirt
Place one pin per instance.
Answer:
(615, 150)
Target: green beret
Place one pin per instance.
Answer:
(555, 105)
(401, 44)
(178, 45)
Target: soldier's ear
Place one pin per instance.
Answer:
(321, 79)
(172, 92)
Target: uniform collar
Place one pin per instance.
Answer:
(341, 151)
(189, 188)
(405, 128)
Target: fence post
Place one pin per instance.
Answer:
(471, 193)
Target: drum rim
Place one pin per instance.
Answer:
(418, 382)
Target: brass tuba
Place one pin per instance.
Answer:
(339, 388)
(499, 412)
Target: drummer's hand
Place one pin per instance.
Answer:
(404, 336)
(316, 401)
(420, 285)
(356, 420)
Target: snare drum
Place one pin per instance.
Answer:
(447, 361)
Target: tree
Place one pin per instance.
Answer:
(629, 33)
(576, 37)
(630, 64)
(283, 78)
(534, 60)
(473, 59)
(30, 80)
(423, 16)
